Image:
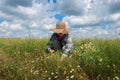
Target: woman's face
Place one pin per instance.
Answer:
(60, 34)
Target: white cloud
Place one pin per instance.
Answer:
(37, 17)
(98, 16)
(27, 10)
(7, 34)
(115, 17)
(117, 24)
(15, 27)
(101, 31)
(4, 24)
(86, 18)
(72, 7)
(81, 20)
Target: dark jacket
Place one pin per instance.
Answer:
(65, 44)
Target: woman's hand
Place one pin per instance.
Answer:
(51, 51)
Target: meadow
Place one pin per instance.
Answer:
(91, 59)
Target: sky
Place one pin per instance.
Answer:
(35, 18)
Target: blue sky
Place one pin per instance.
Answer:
(86, 18)
(1, 20)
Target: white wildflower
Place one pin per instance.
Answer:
(46, 71)
(117, 78)
(108, 66)
(71, 70)
(100, 59)
(78, 66)
(72, 76)
(36, 72)
(52, 73)
(49, 78)
(67, 77)
(56, 77)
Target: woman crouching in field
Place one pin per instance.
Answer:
(60, 40)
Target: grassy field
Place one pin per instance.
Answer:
(91, 59)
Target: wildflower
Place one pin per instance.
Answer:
(56, 72)
(108, 66)
(32, 61)
(70, 56)
(85, 45)
(71, 70)
(100, 59)
(46, 71)
(56, 77)
(49, 78)
(117, 78)
(82, 47)
(41, 69)
(26, 78)
(78, 66)
(90, 43)
(70, 65)
(72, 76)
(114, 65)
(52, 73)
(31, 70)
(64, 72)
(67, 77)
(36, 72)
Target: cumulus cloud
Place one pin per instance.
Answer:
(87, 18)
(98, 15)
(15, 27)
(82, 21)
(19, 17)
(114, 7)
(72, 7)
(16, 3)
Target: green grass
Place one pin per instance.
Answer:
(91, 59)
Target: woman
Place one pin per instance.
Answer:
(60, 40)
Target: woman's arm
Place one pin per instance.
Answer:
(68, 46)
(50, 42)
